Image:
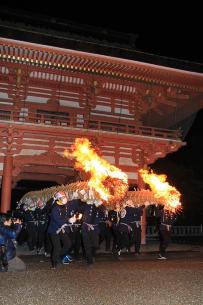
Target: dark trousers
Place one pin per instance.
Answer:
(105, 235)
(41, 234)
(23, 235)
(114, 233)
(123, 240)
(123, 236)
(76, 241)
(164, 240)
(3, 259)
(136, 237)
(32, 235)
(90, 240)
(61, 244)
(47, 243)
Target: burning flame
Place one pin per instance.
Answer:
(162, 190)
(105, 178)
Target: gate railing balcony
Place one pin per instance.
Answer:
(74, 120)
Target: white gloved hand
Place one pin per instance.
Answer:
(72, 219)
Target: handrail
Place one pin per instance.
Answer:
(178, 231)
(74, 121)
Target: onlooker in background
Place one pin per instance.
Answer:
(9, 231)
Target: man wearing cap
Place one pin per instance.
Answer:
(58, 228)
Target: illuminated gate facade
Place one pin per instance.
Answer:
(49, 96)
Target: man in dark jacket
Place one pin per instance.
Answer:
(8, 233)
(61, 218)
(165, 220)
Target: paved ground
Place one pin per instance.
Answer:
(142, 280)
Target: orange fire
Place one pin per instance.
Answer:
(162, 190)
(109, 181)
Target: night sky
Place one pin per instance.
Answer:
(165, 30)
(184, 170)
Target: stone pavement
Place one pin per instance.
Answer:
(131, 281)
(16, 264)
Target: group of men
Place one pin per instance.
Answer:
(70, 221)
(75, 223)
(66, 228)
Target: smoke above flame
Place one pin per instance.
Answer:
(108, 180)
(162, 190)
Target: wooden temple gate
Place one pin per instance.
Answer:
(49, 96)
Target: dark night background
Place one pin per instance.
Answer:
(165, 30)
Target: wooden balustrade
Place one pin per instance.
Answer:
(70, 120)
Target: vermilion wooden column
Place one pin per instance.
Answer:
(6, 184)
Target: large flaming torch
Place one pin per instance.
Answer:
(162, 190)
(107, 180)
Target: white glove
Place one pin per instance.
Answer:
(72, 219)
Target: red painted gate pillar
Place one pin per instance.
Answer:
(6, 184)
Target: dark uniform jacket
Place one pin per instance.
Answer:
(8, 237)
(165, 220)
(60, 215)
(130, 215)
